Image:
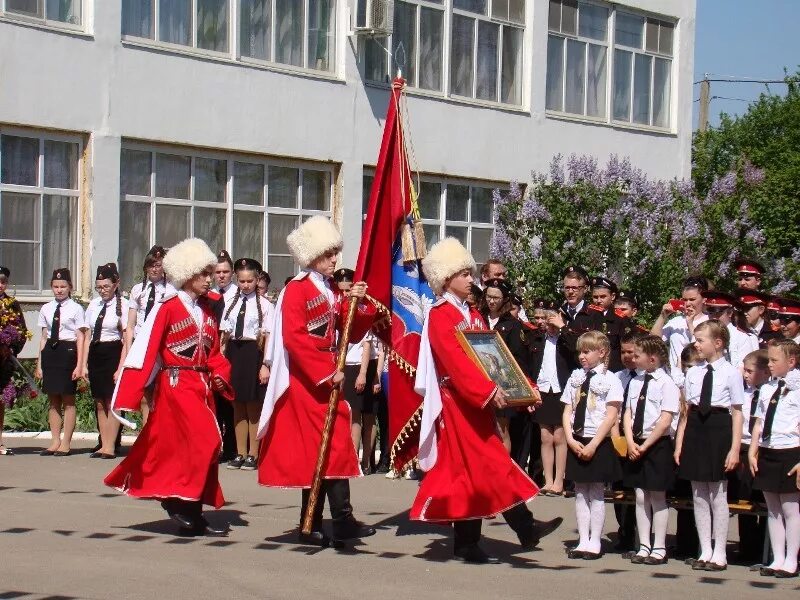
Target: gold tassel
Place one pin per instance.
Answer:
(419, 239)
(407, 242)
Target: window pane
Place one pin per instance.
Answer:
(516, 11)
(248, 184)
(488, 36)
(175, 22)
(457, 202)
(593, 21)
(461, 56)
(366, 189)
(212, 25)
(622, 85)
(477, 6)
(481, 205)
(576, 66)
(57, 221)
(430, 198)
(283, 187)
(321, 31)
(316, 189)
(18, 215)
(460, 233)
(280, 226)
(255, 27)
(135, 172)
(665, 37)
(137, 18)
(172, 224)
(21, 259)
(500, 9)
(405, 35)
(555, 73)
(173, 173)
(651, 35)
(569, 17)
(134, 240)
(60, 165)
(31, 8)
(432, 234)
(209, 225)
(661, 92)
(479, 247)
(554, 16)
(19, 160)
(430, 49)
(210, 179)
(289, 32)
(248, 234)
(65, 11)
(511, 82)
(596, 82)
(375, 68)
(629, 30)
(280, 267)
(641, 89)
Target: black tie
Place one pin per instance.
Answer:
(98, 324)
(705, 391)
(151, 300)
(752, 422)
(771, 409)
(571, 311)
(239, 331)
(631, 375)
(580, 407)
(55, 326)
(638, 421)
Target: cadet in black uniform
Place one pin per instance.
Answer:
(755, 311)
(575, 284)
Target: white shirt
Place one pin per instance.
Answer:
(110, 331)
(625, 377)
(547, 381)
(140, 295)
(355, 352)
(192, 307)
(786, 423)
(604, 388)
(747, 406)
(677, 335)
(72, 318)
(251, 327)
(662, 396)
(323, 285)
(229, 292)
(728, 389)
(741, 344)
(493, 322)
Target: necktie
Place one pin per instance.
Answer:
(239, 331)
(638, 420)
(752, 422)
(705, 391)
(580, 407)
(571, 312)
(151, 300)
(55, 326)
(631, 375)
(771, 409)
(98, 324)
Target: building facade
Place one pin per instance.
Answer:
(123, 124)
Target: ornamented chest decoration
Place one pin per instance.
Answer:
(183, 337)
(320, 316)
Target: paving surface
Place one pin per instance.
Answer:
(64, 535)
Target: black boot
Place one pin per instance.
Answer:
(345, 525)
(316, 537)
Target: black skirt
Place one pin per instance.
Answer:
(604, 466)
(103, 361)
(706, 443)
(58, 363)
(773, 466)
(366, 401)
(551, 411)
(246, 360)
(653, 472)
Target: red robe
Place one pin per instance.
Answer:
(290, 446)
(175, 455)
(474, 476)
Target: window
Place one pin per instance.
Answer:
(577, 58)
(53, 12)
(642, 70)
(245, 204)
(39, 190)
(195, 23)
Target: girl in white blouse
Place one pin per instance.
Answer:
(60, 363)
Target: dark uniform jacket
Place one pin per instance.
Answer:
(591, 318)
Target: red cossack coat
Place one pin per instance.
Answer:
(289, 449)
(474, 476)
(175, 455)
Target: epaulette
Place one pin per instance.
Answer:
(595, 308)
(213, 296)
(619, 312)
(642, 329)
(168, 296)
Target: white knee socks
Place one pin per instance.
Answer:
(643, 522)
(658, 503)
(597, 508)
(777, 530)
(790, 503)
(721, 513)
(590, 511)
(583, 515)
(701, 498)
(783, 522)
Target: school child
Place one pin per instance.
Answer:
(652, 401)
(707, 445)
(592, 400)
(773, 459)
(245, 327)
(730, 312)
(61, 360)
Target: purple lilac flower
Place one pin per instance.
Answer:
(501, 244)
(532, 209)
(730, 227)
(752, 174)
(724, 186)
(796, 255)
(9, 394)
(685, 187)
(757, 237)
(783, 287)
(583, 168)
(557, 170)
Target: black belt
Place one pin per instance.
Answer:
(185, 368)
(711, 410)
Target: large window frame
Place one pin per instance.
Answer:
(43, 14)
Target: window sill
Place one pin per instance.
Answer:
(225, 58)
(560, 116)
(51, 26)
(412, 91)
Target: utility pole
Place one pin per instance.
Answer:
(705, 100)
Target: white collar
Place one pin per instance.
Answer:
(598, 370)
(187, 299)
(658, 373)
(458, 303)
(716, 364)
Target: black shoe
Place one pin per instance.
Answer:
(237, 462)
(203, 527)
(62, 453)
(473, 554)
(699, 565)
(575, 554)
(544, 528)
(315, 538)
(592, 555)
(47, 453)
(249, 464)
(711, 566)
(636, 558)
(184, 521)
(96, 448)
(352, 529)
(766, 572)
(781, 574)
(96, 454)
(657, 557)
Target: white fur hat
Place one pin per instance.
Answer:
(445, 258)
(186, 259)
(312, 239)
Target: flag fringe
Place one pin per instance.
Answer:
(406, 433)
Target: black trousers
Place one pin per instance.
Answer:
(520, 427)
(338, 494)
(626, 520)
(189, 508)
(225, 422)
(468, 533)
(383, 423)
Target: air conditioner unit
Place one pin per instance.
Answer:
(373, 17)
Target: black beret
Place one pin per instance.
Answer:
(629, 296)
(157, 252)
(62, 275)
(500, 284)
(343, 274)
(223, 256)
(575, 270)
(248, 264)
(604, 282)
(107, 271)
